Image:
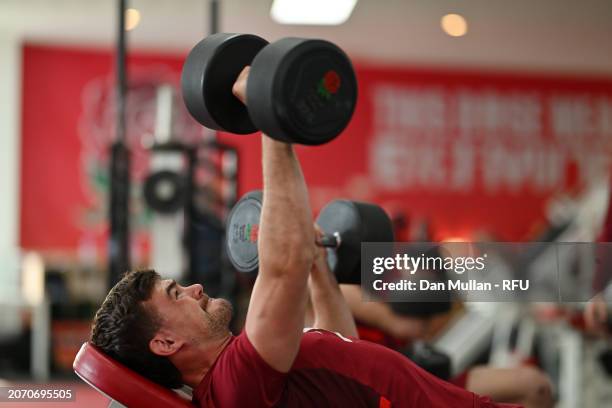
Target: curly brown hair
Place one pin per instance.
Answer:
(123, 328)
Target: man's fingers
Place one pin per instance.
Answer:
(239, 88)
(319, 233)
(244, 74)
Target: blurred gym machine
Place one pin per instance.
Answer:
(510, 331)
(190, 189)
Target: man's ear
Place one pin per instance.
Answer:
(164, 343)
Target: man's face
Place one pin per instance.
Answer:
(188, 314)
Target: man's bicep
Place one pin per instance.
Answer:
(275, 319)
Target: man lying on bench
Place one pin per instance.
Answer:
(177, 335)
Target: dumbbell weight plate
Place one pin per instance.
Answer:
(242, 228)
(209, 72)
(301, 91)
(355, 222)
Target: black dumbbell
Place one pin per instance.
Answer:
(346, 224)
(299, 90)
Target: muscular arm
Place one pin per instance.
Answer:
(330, 309)
(275, 318)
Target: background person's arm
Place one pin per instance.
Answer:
(596, 315)
(275, 317)
(380, 316)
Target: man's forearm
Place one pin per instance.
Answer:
(285, 244)
(330, 309)
(285, 235)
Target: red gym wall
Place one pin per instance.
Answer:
(472, 151)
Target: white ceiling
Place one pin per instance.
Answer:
(552, 35)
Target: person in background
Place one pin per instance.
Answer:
(526, 385)
(378, 321)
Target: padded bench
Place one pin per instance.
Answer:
(123, 386)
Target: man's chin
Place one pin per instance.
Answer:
(222, 309)
(225, 305)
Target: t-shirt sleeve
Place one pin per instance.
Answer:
(241, 378)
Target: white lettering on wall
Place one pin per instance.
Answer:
(435, 138)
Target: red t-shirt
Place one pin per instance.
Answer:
(329, 371)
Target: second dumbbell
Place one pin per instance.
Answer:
(346, 224)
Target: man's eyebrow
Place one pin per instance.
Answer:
(169, 288)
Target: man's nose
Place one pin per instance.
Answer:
(196, 290)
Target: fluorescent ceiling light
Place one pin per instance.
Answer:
(312, 12)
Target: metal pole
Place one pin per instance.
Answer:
(119, 250)
(214, 16)
(121, 72)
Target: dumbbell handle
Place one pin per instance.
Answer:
(330, 240)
